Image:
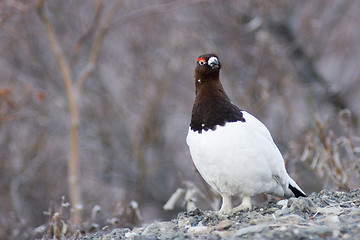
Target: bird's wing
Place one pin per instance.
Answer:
(268, 149)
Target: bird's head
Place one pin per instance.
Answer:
(207, 66)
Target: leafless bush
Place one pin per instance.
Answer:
(332, 151)
(60, 226)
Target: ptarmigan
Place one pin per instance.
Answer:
(233, 151)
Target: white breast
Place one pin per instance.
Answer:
(239, 158)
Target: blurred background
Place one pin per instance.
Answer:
(96, 98)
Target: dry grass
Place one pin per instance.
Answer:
(60, 226)
(332, 151)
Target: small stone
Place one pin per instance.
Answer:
(131, 235)
(195, 212)
(346, 236)
(224, 225)
(138, 230)
(198, 230)
(184, 222)
(302, 205)
(281, 212)
(251, 229)
(225, 234)
(338, 194)
(116, 234)
(283, 228)
(160, 230)
(336, 233)
(283, 203)
(268, 219)
(329, 210)
(332, 219)
(289, 219)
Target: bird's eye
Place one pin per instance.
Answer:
(201, 61)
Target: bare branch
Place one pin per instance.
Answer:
(152, 9)
(94, 53)
(305, 65)
(56, 48)
(92, 27)
(105, 26)
(73, 162)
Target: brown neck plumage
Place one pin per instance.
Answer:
(209, 86)
(212, 107)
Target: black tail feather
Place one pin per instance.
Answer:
(296, 192)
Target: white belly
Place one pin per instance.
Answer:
(239, 158)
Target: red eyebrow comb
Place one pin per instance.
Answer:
(200, 59)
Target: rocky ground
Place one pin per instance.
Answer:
(326, 215)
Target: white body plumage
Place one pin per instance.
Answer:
(240, 158)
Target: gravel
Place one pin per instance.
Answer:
(326, 215)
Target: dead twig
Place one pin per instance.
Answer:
(94, 52)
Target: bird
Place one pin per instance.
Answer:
(232, 150)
